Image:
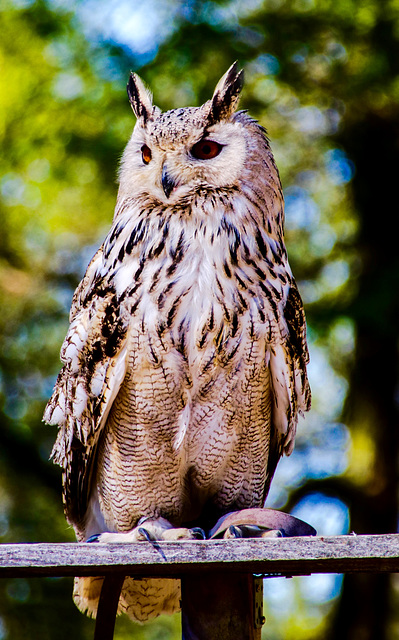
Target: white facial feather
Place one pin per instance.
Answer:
(137, 179)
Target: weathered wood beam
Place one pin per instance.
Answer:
(288, 556)
(219, 606)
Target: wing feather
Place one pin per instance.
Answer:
(94, 357)
(288, 360)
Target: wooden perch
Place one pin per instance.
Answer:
(220, 597)
(285, 556)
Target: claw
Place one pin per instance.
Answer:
(251, 531)
(94, 538)
(233, 532)
(146, 534)
(199, 534)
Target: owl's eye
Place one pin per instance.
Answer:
(146, 154)
(206, 149)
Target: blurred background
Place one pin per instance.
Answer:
(323, 77)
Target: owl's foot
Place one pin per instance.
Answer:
(151, 530)
(260, 523)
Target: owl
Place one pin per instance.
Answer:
(184, 367)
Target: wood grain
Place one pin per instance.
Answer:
(288, 556)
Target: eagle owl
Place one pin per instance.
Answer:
(185, 361)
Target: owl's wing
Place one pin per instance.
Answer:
(288, 360)
(94, 357)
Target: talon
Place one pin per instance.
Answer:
(145, 534)
(233, 532)
(251, 531)
(94, 538)
(153, 542)
(199, 534)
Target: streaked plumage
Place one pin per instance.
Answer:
(185, 361)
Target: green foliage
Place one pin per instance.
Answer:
(322, 76)
(57, 184)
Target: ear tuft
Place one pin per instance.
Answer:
(227, 94)
(140, 98)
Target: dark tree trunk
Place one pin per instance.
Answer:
(363, 612)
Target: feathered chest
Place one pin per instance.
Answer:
(197, 276)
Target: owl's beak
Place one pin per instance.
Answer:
(167, 182)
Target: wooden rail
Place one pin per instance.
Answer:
(220, 596)
(285, 556)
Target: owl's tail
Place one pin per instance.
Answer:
(141, 600)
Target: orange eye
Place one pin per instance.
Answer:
(146, 154)
(206, 149)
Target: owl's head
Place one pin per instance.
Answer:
(172, 155)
